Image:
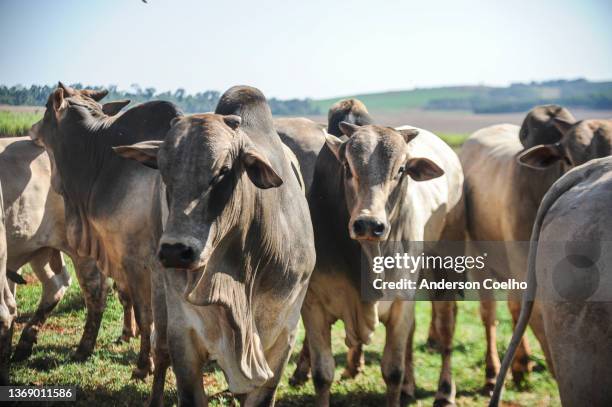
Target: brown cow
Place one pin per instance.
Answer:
(507, 171)
(111, 207)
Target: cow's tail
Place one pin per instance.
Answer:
(556, 190)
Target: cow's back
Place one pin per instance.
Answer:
(34, 211)
(578, 331)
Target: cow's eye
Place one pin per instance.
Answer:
(217, 178)
(347, 170)
(400, 171)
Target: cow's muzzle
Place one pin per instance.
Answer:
(368, 228)
(177, 255)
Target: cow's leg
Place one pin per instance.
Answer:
(318, 328)
(355, 362)
(409, 384)
(398, 324)
(159, 339)
(536, 323)
(187, 367)
(8, 311)
(130, 328)
(277, 358)
(522, 364)
(49, 268)
(302, 368)
(488, 314)
(446, 313)
(432, 337)
(140, 291)
(95, 290)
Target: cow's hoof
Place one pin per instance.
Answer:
(431, 345)
(124, 338)
(349, 374)
(298, 379)
(443, 403)
(406, 398)
(22, 353)
(519, 378)
(140, 373)
(81, 355)
(487, 389)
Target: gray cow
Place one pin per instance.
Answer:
(507, 171)
(373, 186)
(36, 233)
(305, 139)
(576, 312)
(239, 244)
(111, 208)
(8, 309)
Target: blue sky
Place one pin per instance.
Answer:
(309, 48)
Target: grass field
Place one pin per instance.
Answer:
(407, 99)
(17, 123)
(105, 378)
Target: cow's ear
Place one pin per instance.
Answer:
(114, 107)
(541, 157)
(96, 95)
(58, 99)
(408, 134)
(233, 121)
(335, 145)
(423, 169)
(144, 152)
(259, 170)
(562, 125)
(348, 129)
(68, 91)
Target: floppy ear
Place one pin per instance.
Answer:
(96, 95)
(114, 107)
(58, 99)
(259, 170)
(144, 152)
(348, 128)
(408, 134)
(233, 121)
(423, 169)
(562, 125)
(335, 145)
(541, 157)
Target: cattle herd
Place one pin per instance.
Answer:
(220, 230)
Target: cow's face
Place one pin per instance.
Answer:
(69, 111)
(539, 125)
(376, 162)
(581, 141)
(207, 164)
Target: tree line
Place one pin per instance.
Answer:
(36, 95)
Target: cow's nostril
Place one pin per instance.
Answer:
(359, 227)
(187, 254)
(176, 255)
(378, 229)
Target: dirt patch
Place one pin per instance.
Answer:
(458, 121)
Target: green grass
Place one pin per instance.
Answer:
(105, 378)
(455, 140)
(17, 123)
